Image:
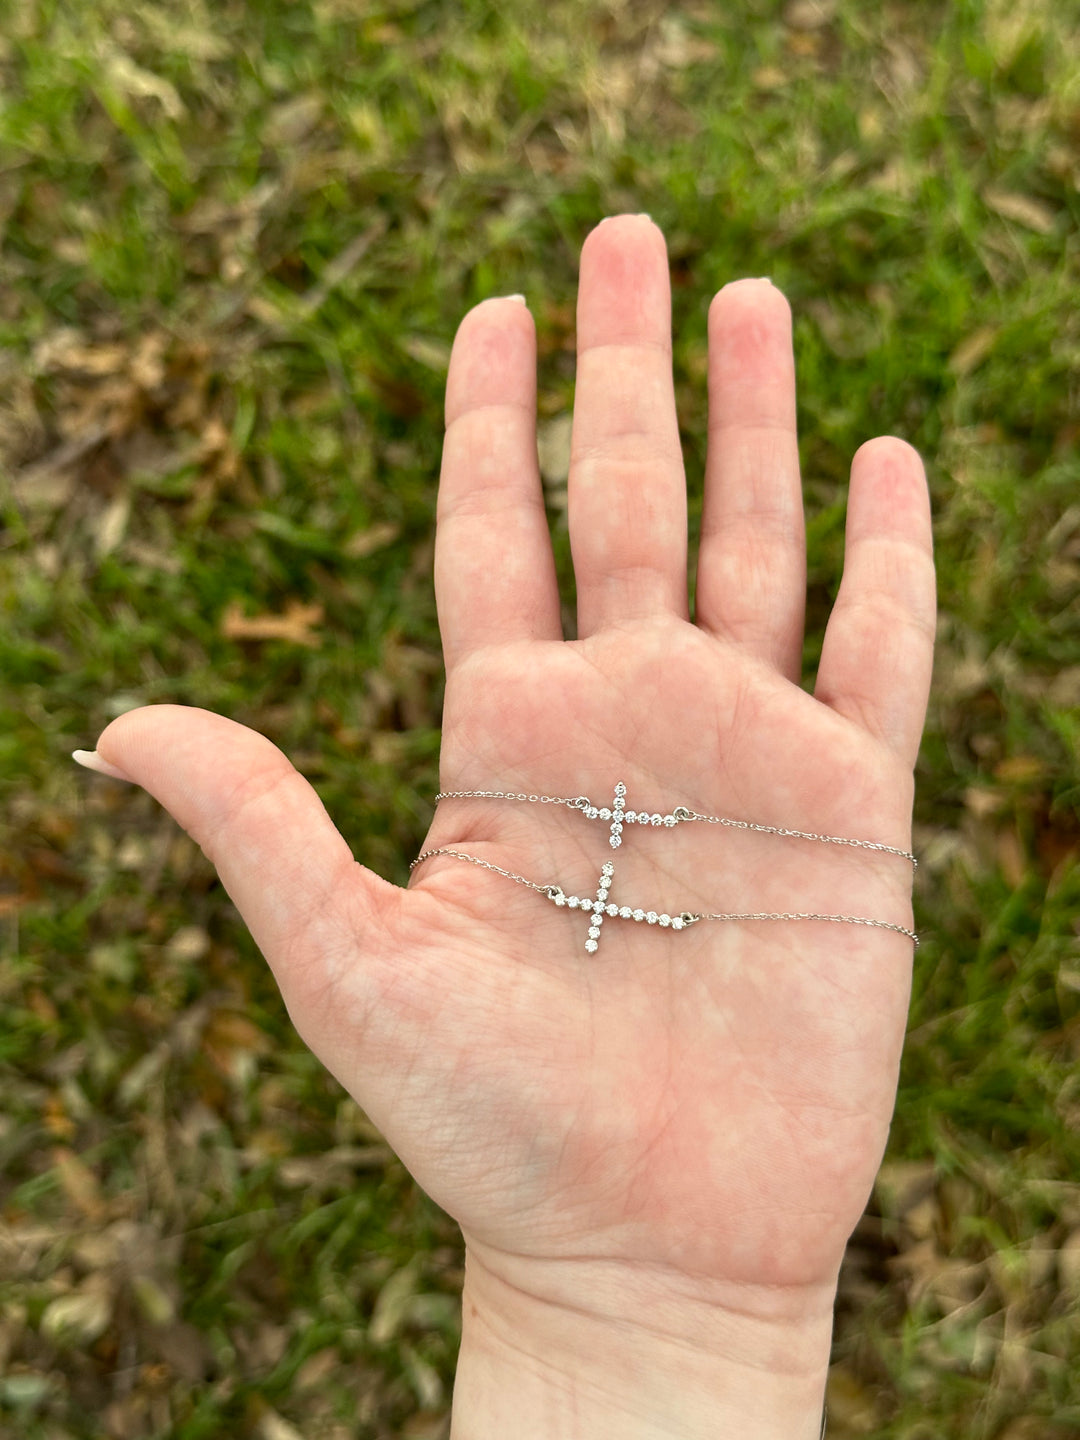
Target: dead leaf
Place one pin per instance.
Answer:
(293, 625)
(1023, 209)
(902, 1185)
(972, 351)
(292, 121)
(809, 14)
(392, 1303)
(273, 1426)
(768, 77)
(79, 1183)
(1020, 769)
(80, 1318)
(366, 542)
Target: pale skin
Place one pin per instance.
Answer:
(656, 1153)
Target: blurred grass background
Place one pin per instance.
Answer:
(237, 241)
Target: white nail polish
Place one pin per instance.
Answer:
(91, 760)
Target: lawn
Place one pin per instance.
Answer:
(237, 241)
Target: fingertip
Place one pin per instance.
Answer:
(749, 294)
(889, 451)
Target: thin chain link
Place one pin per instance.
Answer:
(690, 917)
(682, 814)
(484, 865)
(806, 915)
(799, 834)
(575, 803)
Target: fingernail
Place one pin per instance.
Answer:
(91, 760)
(766, 279)
(509, 297)
(643, 215)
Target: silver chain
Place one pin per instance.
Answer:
(690, 918)
(680, 815)
(484, 865)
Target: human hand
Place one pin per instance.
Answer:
(656, 1153)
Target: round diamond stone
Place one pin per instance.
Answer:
(605, 813)
(615, 841)
(626, 912)
(616, 827)
(652, 917)
(560, 899)
(608, 867)
(594, 932)
(573, 902)
(591, 946)
(620, 789)
(665, 919)
(639, 914)
(670, 820)
(613, 909)
(656, 819)
(630, 816)
(585, 904)
(677, 922)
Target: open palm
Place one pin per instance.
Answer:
(711, 1103)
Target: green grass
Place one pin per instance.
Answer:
(202, 409)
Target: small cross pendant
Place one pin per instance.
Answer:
(619, 816)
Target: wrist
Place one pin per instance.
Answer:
(597, 1352)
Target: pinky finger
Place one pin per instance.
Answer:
(878, 653)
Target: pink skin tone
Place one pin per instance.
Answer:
(656, 1153)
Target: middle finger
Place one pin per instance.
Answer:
(626, 496)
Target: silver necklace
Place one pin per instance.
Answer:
(617, 816)
(679, 816)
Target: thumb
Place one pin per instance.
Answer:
(306, 901)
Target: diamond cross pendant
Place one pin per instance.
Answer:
(619, 816)
(599, 909)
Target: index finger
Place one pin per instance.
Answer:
(494, 569)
